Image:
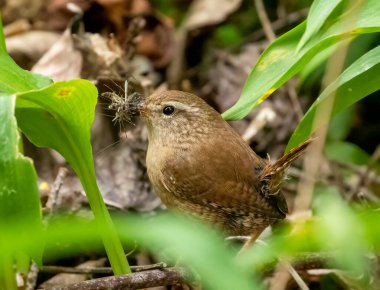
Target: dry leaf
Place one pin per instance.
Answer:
(62, 61)
(26, 48)
(104, 49)
(210, 12)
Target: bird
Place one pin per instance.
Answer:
(199, 165)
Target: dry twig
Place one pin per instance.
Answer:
(263, 16)
(279, 24)
(58, 182)
(98, 270)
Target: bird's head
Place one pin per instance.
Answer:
(176, 114)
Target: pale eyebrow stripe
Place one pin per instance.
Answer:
(182, 106)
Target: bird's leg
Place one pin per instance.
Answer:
(248, 244)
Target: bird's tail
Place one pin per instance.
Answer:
(273, 174)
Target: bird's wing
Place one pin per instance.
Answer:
(224, 177)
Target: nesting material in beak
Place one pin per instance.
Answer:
(126, 107)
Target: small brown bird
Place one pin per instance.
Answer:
(198, 164)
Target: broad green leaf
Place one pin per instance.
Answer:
(319, 12)
(356, 82)
(13, 78)
(60, 117)
(280, 62)
(19, 197)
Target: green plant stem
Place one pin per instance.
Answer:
(108, 232)
(7, 277)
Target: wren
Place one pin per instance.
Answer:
(199, 165)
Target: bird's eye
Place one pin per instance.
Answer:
(168, 110)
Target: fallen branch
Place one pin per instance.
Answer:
(149, 276)
(146, 279)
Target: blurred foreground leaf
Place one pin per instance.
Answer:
(345, 235)
(179, 239)
(195, 245)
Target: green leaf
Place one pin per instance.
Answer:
(319, 12)
(280, 62)
(14, 79)
(358, 81)
(60, 117)
(348, 153)
(19, 197)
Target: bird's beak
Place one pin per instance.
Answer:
(136, 104)
(141, 107)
